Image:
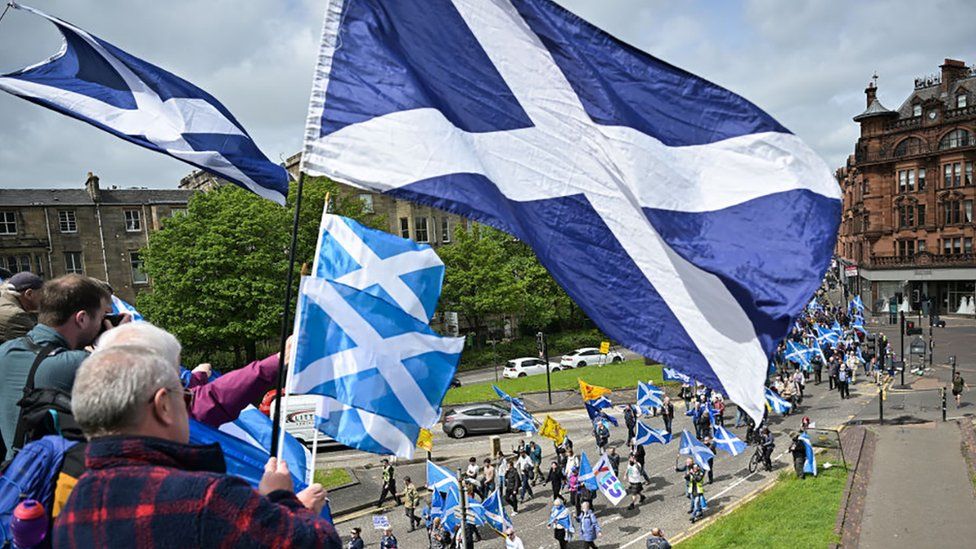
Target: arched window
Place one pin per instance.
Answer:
(955, 138)
(910, 146)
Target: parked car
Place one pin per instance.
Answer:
(476, 419)
(589, 356)
(527, 366)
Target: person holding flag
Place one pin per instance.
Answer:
(560, 523)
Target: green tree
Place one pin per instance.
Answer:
(219, 270)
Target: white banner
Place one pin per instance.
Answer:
(609, 484)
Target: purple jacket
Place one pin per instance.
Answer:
(222, 399)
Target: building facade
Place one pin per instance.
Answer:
(907, 224)
(92, 231)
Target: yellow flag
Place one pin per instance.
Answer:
(552, 430)
(590, 392)
(425, 440)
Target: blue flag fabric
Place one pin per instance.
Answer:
(691, 446)
(362, 353)
(810, 463)
(495, 514)
(96, 82)
(776, 402)
(600, 403)
(560, 515)
(440, 479)
(826, 335)
(597, 413)
(646, 435)
(396, 270)
(586, 476)
(670, 374)
(509, 399)
(522, 420)
(649, 396)
(724, 440)
(448, 102)
(119, 306)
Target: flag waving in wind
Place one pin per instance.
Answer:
(97, 83)
(645, 435)
(810, 463)
(691, 446)
(592, 392)
(602, 158)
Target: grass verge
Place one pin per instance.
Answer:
(613, 376)
(794, 513)
(331, 478)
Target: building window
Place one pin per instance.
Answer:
(967, 245)
(952, 174)
(921, 179)
(67, 221)
(16, 263)
(958, 211)
(967, 211)
(404, 227)
(420, 229)
(921, 246)
(917, 109)
(968, 180)
(902, 181)
(445, 230)
(952, 246)
(138, 276)
(133, 221)
(72, 263)
(960, 101)
(367, 200)
(955, 138)
(920, 217)
(906, 248)
(8, 222)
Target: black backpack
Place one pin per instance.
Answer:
(44, 411)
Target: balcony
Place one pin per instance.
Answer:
(921, 259)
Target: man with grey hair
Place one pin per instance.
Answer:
(146, 485)
(217, 402)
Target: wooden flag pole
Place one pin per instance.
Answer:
(285, 324)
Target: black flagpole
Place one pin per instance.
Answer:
(285, 324)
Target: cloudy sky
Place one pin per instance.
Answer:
(804, 62)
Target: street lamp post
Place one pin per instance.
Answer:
(901, 316)
(540, 339)
(494, 357)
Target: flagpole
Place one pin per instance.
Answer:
(6, 9)
(464, 507)
(285, 314)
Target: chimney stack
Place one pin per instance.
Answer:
(952, 70)
(91, 185)
(871, 93)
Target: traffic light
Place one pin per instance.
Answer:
(910, 328)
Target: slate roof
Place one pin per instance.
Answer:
(874, 109)
(79, 197)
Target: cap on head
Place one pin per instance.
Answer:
(25, 280)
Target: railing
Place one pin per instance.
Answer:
(921, 259)
(961, 112)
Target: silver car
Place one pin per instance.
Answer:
(476, 418)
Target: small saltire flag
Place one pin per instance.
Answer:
(440, 479)
(595, 413)
(369, 355)
(451, 517)
(837, 329)
(601, 403)
(96, 82)
(495, 514)
(810, 463)
(586, 476)
(826, 335)
(364, 430)
(724, 440)
(776, 402)
(522, 420)
(560, 515)
(399, 271)
(425, 440)
(509, 399)
(649, 396)
(646, 435)
(798, 354)
(119, 306)
(857, 324)
(856, 305)
(552, 430)
(592, 392)
(691, 446)
(670, 374)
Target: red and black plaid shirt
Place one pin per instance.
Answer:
(149, 492)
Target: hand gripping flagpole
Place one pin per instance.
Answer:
(285, 317)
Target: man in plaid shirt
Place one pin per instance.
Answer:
(146, 487)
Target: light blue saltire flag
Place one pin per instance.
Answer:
(586, 476)
(382, 373)
(724, 440)
(596, 413)
(798, 354)
(522, 420)
(449, 103)
(776, 402)
(437, 504)
(451, 515)
(119, 306)
(859, 356)
(670, 374)
(826, 335)
(440, 479)
(857, 325)
(837, 329)
(691, 446)
(810, 463)
(96, 82)
(856, 305)
(560, 515)
(646, 435)
(814, 306)
(495, 514)
(819, 350)
(601, 402)
(649, 396)
(509, 399)
(397, 270)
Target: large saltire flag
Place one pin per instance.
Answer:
(96, 82)
(645, 435)
(649, 396)
(691, 446)
(604, 159)
(592, 392)
(495, 514)
(521, 420)
(776, 403)
(810, 463)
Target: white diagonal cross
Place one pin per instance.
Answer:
(376, 270)
(618, 169)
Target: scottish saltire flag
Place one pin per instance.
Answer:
(437, 504)
(691, 446)
(119, 306)
(810, 463)
(97, 83)
(510, 110)
(440, 479)
(586, 476)
(509, 399)
(495, 514)
(365, 354)
(814, 306)
(560, 515)
(601, 403)
(522, 420)
(596, 413)
(724, 440)
(837, 329)
(670, 374)
(649, 396)
(856, 305)
(857, 325)
(396, 270)
(826, 335)
(776, 402)
(451, 516)
(253, 427)
(646, 435)
(798, 354)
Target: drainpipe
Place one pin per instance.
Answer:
(50, 245)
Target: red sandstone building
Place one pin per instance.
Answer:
(908, 196)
